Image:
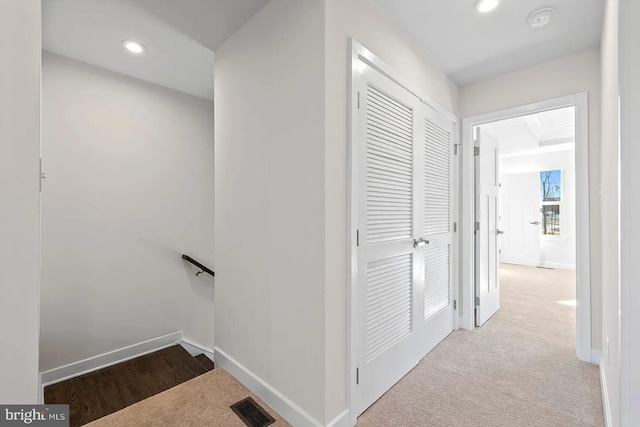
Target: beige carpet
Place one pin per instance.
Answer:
(202, 401)
(520, 369)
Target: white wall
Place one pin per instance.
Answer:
(610, 236)
(129, 188)
(270, 208)
(554, 252)
(561, 77)
(20, 38)
(365, 21)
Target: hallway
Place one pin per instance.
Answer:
(520, 369)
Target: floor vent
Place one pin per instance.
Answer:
(252, 414)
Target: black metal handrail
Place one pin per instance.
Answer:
(199, 265)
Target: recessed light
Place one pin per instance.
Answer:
(484, 6)
(540, 18)
(133, 47)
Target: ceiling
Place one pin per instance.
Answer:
(543, 132)
(470, 46)
(210, 22)
(181, 36)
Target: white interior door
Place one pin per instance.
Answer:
(520, 218)
(404, 254)
(487, 170)
(438, 190)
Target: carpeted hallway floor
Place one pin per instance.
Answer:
(520, 369)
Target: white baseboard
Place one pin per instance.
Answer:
(605, 398)
(91, 364)
(40, 391)
(195, 349)
(595, 356)
(279, 403)
(557, 265)
(341, 420)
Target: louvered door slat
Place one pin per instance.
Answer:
(387, 122)
(389, 297)
(389, 311)
(390, 186)
(387, 291)
(436, 130)
(386, 287)
(390, 113)
(384, 175)
(388, 150)
(386, 132)
(384, 263)
(378, 164)
(437, 280)
(383, 102)
(389, 168)
(438, 168)
(389, 163)
(385, 142)
(437, 218)
(437, 179)
(435, 183)
(438, 159)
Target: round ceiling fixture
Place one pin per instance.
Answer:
(484, 6)
(540, 18)
(133, 47)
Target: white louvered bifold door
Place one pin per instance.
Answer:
(404, 193)
(387, 223)
(437, 196)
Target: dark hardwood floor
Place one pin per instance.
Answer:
(205, 361)
(111, 389)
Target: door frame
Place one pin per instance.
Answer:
(583, 274)
(358, 52)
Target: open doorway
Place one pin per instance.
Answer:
(525, 212)
(537, 214)
(535, 217)
(127, 198)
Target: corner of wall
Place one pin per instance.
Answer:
(20, 44)
(270, 206)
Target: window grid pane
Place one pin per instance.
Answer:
(551, 220)
(551, 185)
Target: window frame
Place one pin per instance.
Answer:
(560, 204)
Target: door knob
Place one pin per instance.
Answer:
(420, 242)
(500, 232)
(535, 223)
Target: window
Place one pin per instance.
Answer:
(551, 197)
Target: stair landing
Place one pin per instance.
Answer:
(100, 393)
